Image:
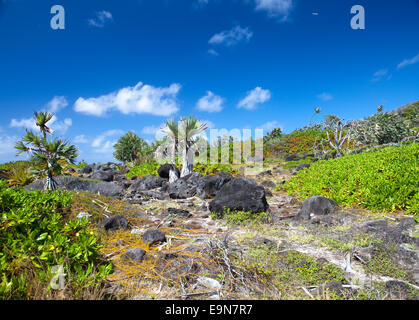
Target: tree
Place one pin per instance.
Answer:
(46, 155)
(316, 111)
(181, 136)
(130, 147)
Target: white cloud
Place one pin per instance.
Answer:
(56, 104)
(101, 18)
(254, 97)
(325, 96)
(99, 142)
(210, 103)
(231, 37)
(81, 139)
(54, 124)
(269, 126)
(213, 52)
(408, 62)
(150, 130)
(275, 8)
(138, 99)
(379, 75)
(7, 148)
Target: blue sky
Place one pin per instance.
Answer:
(132, 64)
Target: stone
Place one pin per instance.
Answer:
(179, 212)
(268, 184)
(209, 283)
(147, 182)
(240, 194)
(316, 206)
(102, 175)
(135, 254)
(208, 186)
(154, 236)
(164, 169)
(115, 222)
(184, 187)
(72, 183)
(82, 215)
(86, 170)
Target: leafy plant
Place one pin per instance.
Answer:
(47, 156)
(130, 147)
(35, 237)
(381, 180)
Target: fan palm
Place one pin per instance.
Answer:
(47, 156)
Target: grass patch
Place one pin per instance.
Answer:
(383, 180)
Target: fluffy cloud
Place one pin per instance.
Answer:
(100, 141)
(81, 139)
(210, 103)
(231, 37)
(325, 96)
(254, 97)
(7, 150)
(138, 99)
(408, 62)
(275, 8)
(269, 126)
(54, 124)
(100, 19)
(56, 104)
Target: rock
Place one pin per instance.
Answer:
(292, 157)
(265, 173)
(335, 287)
(115, 222)
(155, 195)
(185, 187)
(147, 182)
(72, 183)
(86, 170)
(302, 166)
(164, 169)
(268, 184)
(102, 175)
(210, 283)
(153, 236)
(169, 256)
(82, 215)
(203, 207)
(396, 285)
(208, 186)
(264, 241)
(135, 254)
(179, 212)
(316, 206)
(240, 194)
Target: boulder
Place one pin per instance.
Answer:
(240, 194)
(86, 170)
(102, 175)
(154, 236)
(72, 183)
(184, 187)
(316, 206)
(164, 169)
(179, 212)
(115, 222)
(135, 254)
(209, 186)
(147, 182)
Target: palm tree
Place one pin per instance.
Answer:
(182, 134)
(316, 111)
(188, 130)
(47, 156)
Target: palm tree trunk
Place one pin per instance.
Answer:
(187, 167)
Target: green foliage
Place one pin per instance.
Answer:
(293, 164)
(240, 217)
(17, 173)
(35, 237)
(130, 147)
(380, 180)
(381, 128)
(143, 169)
(213, 169)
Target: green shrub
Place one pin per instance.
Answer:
(35, 237)
(212, 169)
(143, 169)
(381, 180)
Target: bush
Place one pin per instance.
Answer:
(381, 180)
(35, 237)
(143, 169)
(381, 128)
(130, 147)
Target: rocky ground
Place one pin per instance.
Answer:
(166, 242)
